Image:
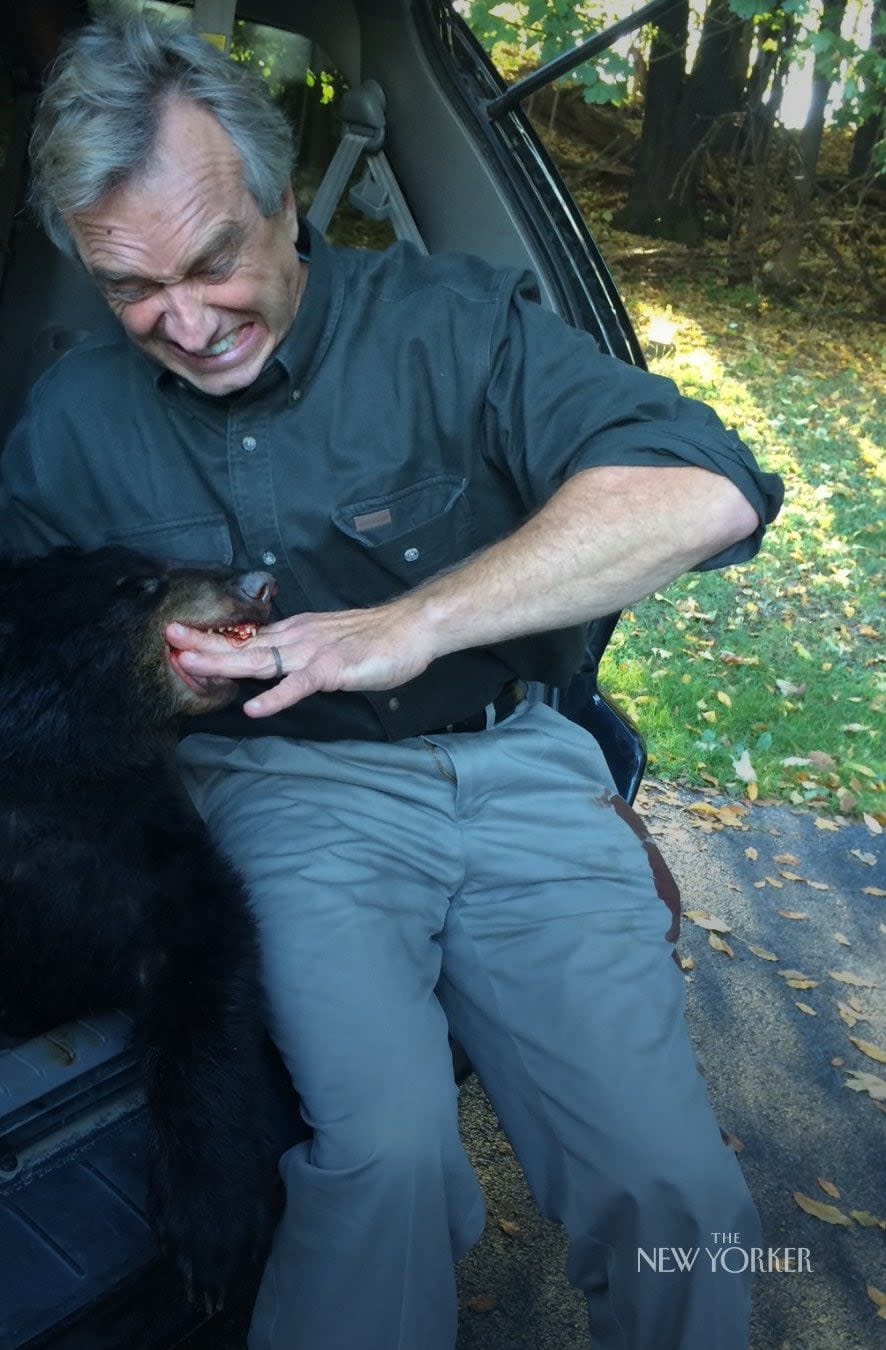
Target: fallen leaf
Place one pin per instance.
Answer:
(786, 859)
(788, 689)
(794, 762)
(847, 977)
(849, 1015)
(773, 882)
(843, 941)
(758, 885)
(510, 1227)
(792, 975)
(695, 914)
(791, 876)
(793, 914)
(803, 984)
(875, 1296)
(821, 760)
(687, 963)
(751, 791)
(872, 1051)
(838, 1062)
(869, 859)
(805, 1008)
(818, 885)
(872, 823)
(822, 823)
(856, 728)
(727, 702)
(819, 1210)
(483, 1303)
(872, 890)
(870, 1083)
(714, 925)
(743, 767)
(762, 953)
(719, 945)
(866, 1220)
(829, 1188)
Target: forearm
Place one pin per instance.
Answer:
(607, 538)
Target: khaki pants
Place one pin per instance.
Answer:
(485, 882)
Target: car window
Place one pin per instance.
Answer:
(305, 84)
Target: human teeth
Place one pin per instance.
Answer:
(223, 345)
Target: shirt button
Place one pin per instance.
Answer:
(269, 558)
(393, 704)
(249, 442)
(411, 555)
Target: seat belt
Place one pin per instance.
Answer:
(378, 194)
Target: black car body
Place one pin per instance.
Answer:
(79, 1264)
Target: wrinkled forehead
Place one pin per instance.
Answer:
(191, 186)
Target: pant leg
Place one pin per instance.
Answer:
(558, 981)
(350, 882)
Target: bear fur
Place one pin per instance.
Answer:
(111, 893)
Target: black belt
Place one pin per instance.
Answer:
(504, 703)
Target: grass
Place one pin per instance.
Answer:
(781, 658)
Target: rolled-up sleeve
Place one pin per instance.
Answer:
(556, 405)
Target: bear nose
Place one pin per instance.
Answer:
(257, 586)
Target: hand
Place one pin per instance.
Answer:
(355, 649)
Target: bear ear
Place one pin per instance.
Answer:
(139, 585)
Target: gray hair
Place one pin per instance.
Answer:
(98, 118)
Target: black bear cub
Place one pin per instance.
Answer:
(111, 893)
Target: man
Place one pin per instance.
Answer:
(449, 483)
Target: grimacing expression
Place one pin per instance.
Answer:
(199, 278)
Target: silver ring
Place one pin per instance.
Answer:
(278, 662)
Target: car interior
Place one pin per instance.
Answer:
(391, 101)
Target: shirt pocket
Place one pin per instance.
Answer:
(414, 532)
(190, 539)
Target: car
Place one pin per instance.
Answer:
(430, 151)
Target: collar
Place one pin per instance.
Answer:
(302, 349)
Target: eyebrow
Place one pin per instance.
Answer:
(229, 235)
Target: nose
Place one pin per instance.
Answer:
(259, 586)
(186, 320)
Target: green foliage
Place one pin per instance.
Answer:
(527, 33)
(531, 32)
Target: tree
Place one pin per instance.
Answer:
(680, 112)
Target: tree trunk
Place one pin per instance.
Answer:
(870, 131)
(679, 112)
(664, 86)
(782, 270)
(825, 72)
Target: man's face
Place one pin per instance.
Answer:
(200, 280)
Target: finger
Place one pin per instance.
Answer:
(184, 638)
(255, 663)
(286, 694)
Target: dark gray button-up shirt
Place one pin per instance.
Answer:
(418, 410)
